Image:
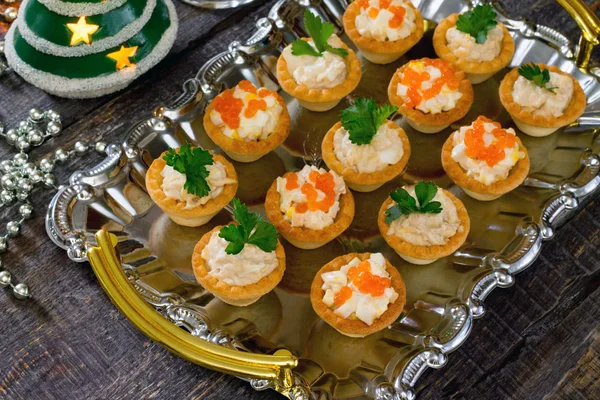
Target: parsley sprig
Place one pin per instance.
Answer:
(477, 22)
(406, 204)
(319, 31)
(363, 119)
(250, 229)
(539, 77)
(192, 162)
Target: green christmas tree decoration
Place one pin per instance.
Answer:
(89, 48)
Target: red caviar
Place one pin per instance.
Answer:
(475, 143)
(398, 18)
(365, 282)
(229, 107)
(320, 181)
(291, 182)
(247, 86)
(342, 296)
(254, 106)
(413, 80)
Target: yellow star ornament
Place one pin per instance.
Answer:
(82, 31)
(122, 56)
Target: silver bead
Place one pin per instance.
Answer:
(24, 186)
(49, 180)
(35, 115)
(7, 182)
(47, 165)
(81, 147)
(60, 155)
(20, 159)
(53, 116)
(28, 168)
(6, 196)
(35, 137)
(6, 166)
(11, 136)
(36, 176)
(22, 144)
(54, 128)
(10, 14)
(3, 244)
(24, 126)
(21, 291)
(13, 228)
(101, 147)
(26, 210)
(5, 278)
(21, 195)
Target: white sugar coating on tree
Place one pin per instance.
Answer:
(78, 9)
(96, 46)
(103, 82)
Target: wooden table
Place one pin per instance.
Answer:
(539, 338)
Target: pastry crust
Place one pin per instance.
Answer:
(376, 46)
(516, 176)
(440, 45)
(353, 177)
(443, 118)
(356, 327)
(154, 180)
(297, 234)
(427, 252)
(304, 93)
(253, 147)
(573, 111)
(231, 294)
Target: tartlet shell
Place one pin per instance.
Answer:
(443, 118)
(573, 111)
(427, 252)
(357, 328)
(516, 176)
(231, 293)
(440, 46)
(304, 93)
(376, 46)
(254, 147)
(342, 220)
(154, 180)
(374, 178)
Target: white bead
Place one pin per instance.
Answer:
(101, 147)
(35, 115)
(13, 228)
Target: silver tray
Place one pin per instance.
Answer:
(443, 298)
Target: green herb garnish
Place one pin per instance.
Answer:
(192, 162)
(319, 31)
(363, 119)
(540, 77)
(406, 204)
(477, 22)
(251, 229)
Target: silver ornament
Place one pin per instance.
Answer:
(21, 195)
(6, 196)
(11, 136)
(22, 144)
(5, 278)
(49, 180)
(60, 155)
(13, 228)
(53, 116)
(20, 159)
(35, 137)
(81, 147)
(101, 147)
(35, 115)
(36, 176)
(3, 244)
(6, 166)
(25, 210)
(28, 168)
(24, 126)
(21, 291)
(7, 182)
(24, 186)
(54, 128)
(10, 14)
(47, 165)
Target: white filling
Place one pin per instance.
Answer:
(317, 72)
(173, 182)
(317, 219)
(385, 149)
(465, 47)
(479, 169)
(245, 268)
(540, 101)
(427, 229)
(364, 306)
(259, 127)
(445, 100)
(379, 29)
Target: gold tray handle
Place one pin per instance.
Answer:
(589, 24)
(277, 368)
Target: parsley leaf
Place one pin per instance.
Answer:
(320, 32)
(250, 229)
(406, 204)
(192, 162)
(363, 119)
(539, 77)
(477, 22)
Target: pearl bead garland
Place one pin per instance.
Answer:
(19, 177)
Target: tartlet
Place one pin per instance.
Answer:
(363, 181)
(383, 51)
(301, 236)
(250, 102)
(490, 188)
(536, 124)
(237, 295)
(476, 71)
(353, 326)
(175, 209)
(456, 94)
(423, 253)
